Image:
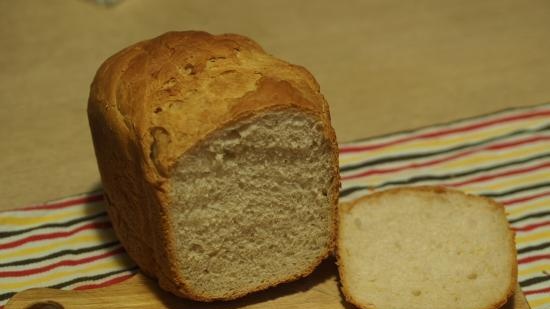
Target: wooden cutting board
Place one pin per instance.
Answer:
(317, 291)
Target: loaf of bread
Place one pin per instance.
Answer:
(218, 162)
(425, 248)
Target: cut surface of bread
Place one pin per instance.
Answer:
(425, 247)
(251, 206)
(218, 163)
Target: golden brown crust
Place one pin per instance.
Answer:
(153, 101)
(347, 207)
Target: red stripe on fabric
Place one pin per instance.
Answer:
(533, 258)
(531, 227)
(94, 225)
(524, 199)
(409, 166)
(33, 271)
(445, 132)
(540, 291)
(503, 174)
(105, 283)
(68, 203)
(521, 142)
(444, 159)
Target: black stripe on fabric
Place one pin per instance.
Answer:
(350, 190)
(534, 280)
(92, 278)
(531, 216)
(6, 295)
(59, 253)
(542, 246)
(464, 173)
(77, 280)
(411, 156)
(50, 225)
(518, 190)
(422, 178)
(452, 122)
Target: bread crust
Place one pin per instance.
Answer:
(154, 101)
(348, 206)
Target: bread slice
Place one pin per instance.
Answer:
(425, 247)
(218, 162)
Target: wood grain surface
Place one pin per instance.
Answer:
(384, 66)
(318, 291)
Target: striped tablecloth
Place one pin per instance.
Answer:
(69, 243)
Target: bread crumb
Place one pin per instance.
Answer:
(357, 222)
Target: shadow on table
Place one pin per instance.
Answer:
(318, 290)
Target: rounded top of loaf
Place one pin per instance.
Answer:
(168, 93)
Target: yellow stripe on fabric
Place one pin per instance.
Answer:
(517, 211)
(456, 166)
(73, 213)
(117, 262)
(482, 159)
(509, 182)
(533, 237)
(533, 270)
(534, 303)
(94, 238)
(461, 138)
(445, 142)
(494, 185)
(375, 180)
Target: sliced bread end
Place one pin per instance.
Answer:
(425, 247)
